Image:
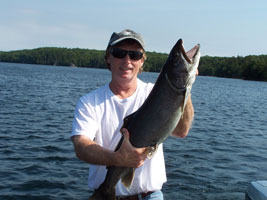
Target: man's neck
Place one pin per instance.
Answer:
(123, 90)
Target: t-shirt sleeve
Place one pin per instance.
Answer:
(84, 122)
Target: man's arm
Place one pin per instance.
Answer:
(185, 122)
(90, 152)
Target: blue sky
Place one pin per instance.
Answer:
(221, 27)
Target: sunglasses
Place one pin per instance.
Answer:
(120, 53)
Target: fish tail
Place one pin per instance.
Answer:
(103, 195)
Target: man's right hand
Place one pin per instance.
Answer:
(128, 155)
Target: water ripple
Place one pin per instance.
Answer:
(224, 151)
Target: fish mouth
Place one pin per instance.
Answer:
(191, 54)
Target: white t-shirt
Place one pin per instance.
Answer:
(99, 115)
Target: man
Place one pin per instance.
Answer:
(99, 117)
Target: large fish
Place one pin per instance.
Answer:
(156, 119)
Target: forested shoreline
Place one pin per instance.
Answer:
(249, 67)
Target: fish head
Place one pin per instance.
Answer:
(181, 66)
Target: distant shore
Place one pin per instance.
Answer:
(248, 68)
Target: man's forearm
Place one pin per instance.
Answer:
(90, 152)
(127, 155)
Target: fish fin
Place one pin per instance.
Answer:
(127, 178)
(150, 151)
(100, 195)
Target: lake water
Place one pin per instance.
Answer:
(225, 149)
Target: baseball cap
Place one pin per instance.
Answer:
(126, 34)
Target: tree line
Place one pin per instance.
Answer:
(249, 67)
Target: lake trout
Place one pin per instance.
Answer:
(158, 116)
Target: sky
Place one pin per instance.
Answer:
(221, 27)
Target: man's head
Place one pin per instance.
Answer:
(123, 38)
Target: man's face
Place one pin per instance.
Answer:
(125, 69)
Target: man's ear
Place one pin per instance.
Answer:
(107, 62)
